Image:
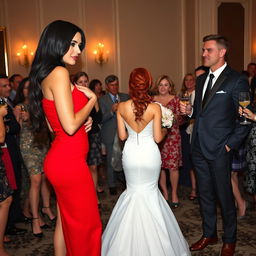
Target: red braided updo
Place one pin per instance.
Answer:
(139, 83)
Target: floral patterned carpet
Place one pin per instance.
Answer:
(188, 217)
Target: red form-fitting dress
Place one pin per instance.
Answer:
(67, 171)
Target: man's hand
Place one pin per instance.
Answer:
(227, 148)
(114, 107)
(185, 108)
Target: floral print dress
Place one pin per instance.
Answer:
(250, 175)
(170, 147)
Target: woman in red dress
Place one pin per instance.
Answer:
(171, 146)
(66, 108)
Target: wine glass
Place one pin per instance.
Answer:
(2, 102)
(186, 100)
(244, 101)
(23, 108)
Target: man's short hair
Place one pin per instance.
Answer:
(251, 64)
(221, 40)
(3, 76)
(202, 67)
(110, 79)
(12, 78)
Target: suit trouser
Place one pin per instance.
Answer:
(214, 183)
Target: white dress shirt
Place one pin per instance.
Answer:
(216, 74)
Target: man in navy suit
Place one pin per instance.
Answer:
(217, 132)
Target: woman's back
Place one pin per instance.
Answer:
(141, 158)
(126, 113)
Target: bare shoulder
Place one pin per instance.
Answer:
(58, 72)
(122, 106)
(59, 75)
(154, 106)
(58, 80)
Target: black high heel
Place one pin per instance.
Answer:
(45, 226)
(53, 220)
(38, 235)
(26, 219)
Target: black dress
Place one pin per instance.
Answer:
(5, 190)
(250, 175)
(94, 155)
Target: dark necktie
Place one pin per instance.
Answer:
(208, 89)
(115, 99)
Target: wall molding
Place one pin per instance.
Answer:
(247, 5)
(116, 41)
(183, 38)
(82, 21)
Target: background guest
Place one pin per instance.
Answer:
(5, 190)
(201, 70)
(171, 145)
(250, 181)
(33, 148)
(251, 73)
(94, 158)
(108, 105)
(239, 165)
(12, 130)
(186, 129)
(15, 80)
(81, 78)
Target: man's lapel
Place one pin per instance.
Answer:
(201, 88)
(217, 85)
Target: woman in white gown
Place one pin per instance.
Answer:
(142, 224)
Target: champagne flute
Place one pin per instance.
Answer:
(23, 108)
(244, 101)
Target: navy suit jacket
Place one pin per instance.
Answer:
(216, 124)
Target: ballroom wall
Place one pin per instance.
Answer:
(163, 36)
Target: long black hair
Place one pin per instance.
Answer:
(19, 97)
(53, 45)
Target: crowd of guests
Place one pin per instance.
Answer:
(23, 151)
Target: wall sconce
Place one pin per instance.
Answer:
(101, 55)
(24, 57)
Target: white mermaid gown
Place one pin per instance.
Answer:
(142, 223)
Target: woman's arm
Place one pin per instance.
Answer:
(3, 112)
(59, 84)
(247, 113)
(122, 133)
(158, 132)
